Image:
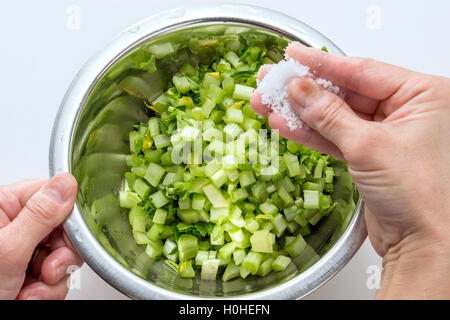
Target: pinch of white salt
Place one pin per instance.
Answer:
(273, 89)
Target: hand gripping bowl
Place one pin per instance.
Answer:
(90, 139)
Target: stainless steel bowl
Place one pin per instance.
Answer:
(103, 237)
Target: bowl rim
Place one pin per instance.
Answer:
(104, 264)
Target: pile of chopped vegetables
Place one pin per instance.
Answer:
(229, 212)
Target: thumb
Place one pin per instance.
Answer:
(42, 213)
(325, 112)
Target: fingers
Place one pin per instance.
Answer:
(257, 105)
(57, 263)
(38, 260)
(42, 291)
(4, 219)
(14, 196)
(374, 79)
(42, 213)
(263, 70)
(305, 136)
(325, 112)
(56, 240)
(255, 100)
(361, 104)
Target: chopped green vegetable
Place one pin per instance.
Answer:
(210, 188)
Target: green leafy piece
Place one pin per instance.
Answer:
(200, 229)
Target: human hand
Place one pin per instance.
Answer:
(30, 213)
(393, 129)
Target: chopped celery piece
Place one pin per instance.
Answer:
(233, 175)
(244, 272)
(228, 86)
(268, 208)
(138, 224)
(280, 224)
(239, 256)
(160, 216)
(187, 247)
(170, 250)
(184, 204)
(158, 199)
(227, 250)
(209, 269)
(232, 271)
(239, 194)
(153, 127)
(292, 226)
(296, 246)
(211, 134)
(198, 202)
(232, 130)
(218, 214)
(155, 232)
(186, 270)
(217, 236)
(128, 199)
(233, 58)
(246, 178)
(219, 178)
(161, 141)
(252, 262)
(262, 241)
(140, 238)
(153, 155)
(201, 256)
(311, 199)
(181, 83)
(280, 263)
(188, 216)
(154, 250)
(290, 213)
(265, 268)
(234, 115)
(207, 107)
(305, 230)
(154, 174)
(316, 218)
(141, 188)
(292, 164)
(236, 235)
(242, 92)
(285, 197)
(329, 174)
(251, 225)
(319, 169)
(215, 196)
(161, 50)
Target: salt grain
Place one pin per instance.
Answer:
(273, 88)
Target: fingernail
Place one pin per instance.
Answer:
(34, 298)
(59, 189)
(59, 269)
(303, 92)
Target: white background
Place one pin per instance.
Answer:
(41, 53)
